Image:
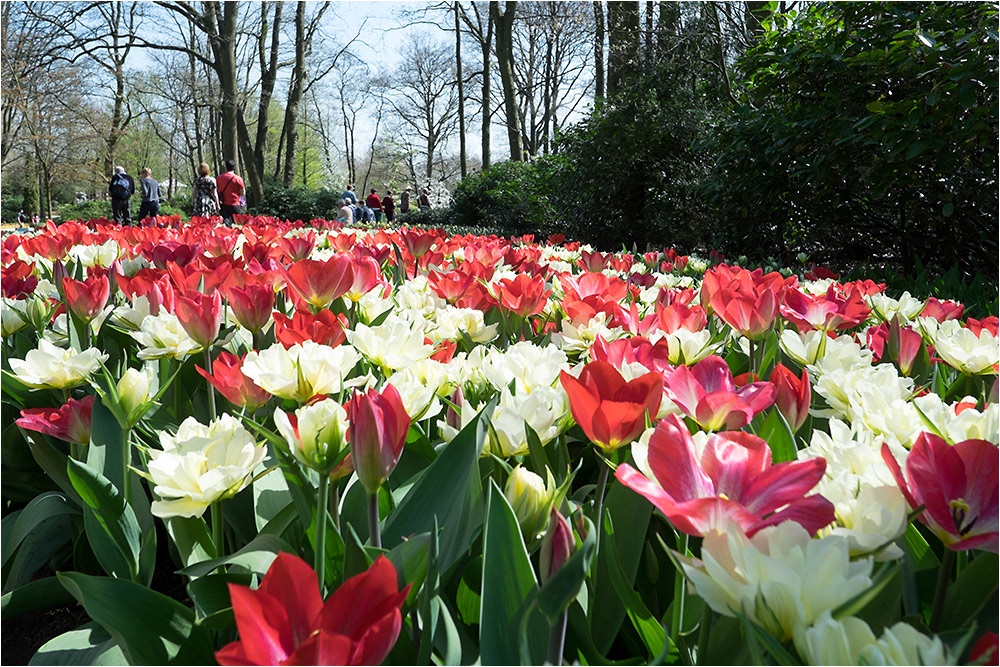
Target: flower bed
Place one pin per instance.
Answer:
(479, 449)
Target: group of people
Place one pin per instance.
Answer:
(223, 195)
(351, 209)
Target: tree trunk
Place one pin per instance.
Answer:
(505, 47)
(223, 44)
(269, 72)
(547, 114)
(598, 51)
(623, 43)
(649, 34)
(487, 79)
(461, 95)
(295, 95)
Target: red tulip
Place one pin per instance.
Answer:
(319, 283)
(17, 280)
(681, 316)
(591, 284)
(594, 262)
(707, 393)
(87, 299)
(378, 426)
(792, 395)
(524, 295)
(298, 247)
(227, 376)
(71, 422)
(611, 411)
(285, 622)
(984, 652)
(418, 242)
(745, 300)
(956, 484)
(200, 315)
(826, 312)
(367, 275)
(324, 328)
(252, 305)
(732, 480)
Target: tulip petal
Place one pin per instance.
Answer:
(674, 463)
(324, 648)
(733, 460)
(292, 582)
(263, 624)
(782, 484)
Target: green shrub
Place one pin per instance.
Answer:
(297, 203)
(428, 217)
(513, 197)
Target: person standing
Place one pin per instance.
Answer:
(349, 194)
(375, 204)
(22, 218)
(389, 206)
(425, 199)
(404, 201)
(149, 206)
(231, 191)
(205, 195)
(121, 188)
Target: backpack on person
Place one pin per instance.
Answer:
(119, 186)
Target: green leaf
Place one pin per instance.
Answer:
(107, 452)
(971, 590)
(778, 435)
(450, 490)
(562, 588)
(151, 628)
(210, 595)
(509, 583)
(110, 523)
(757, 638)
(52, 461)
(89, 644)
(256, 556)
(857, 603)
(923, 556)
(652, 633)
(36, 595)
(42, 508)
(630, 514)
(410, 560)
(192, 539)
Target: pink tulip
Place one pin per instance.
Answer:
(71, 422)
(825, 312)
(285, 622)
(707, 393)
(558, 545)
(957, 485)
(732, 480)
(378, 426)
(317, 284)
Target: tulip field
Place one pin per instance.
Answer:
(296, 443)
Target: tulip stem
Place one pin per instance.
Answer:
(602, 483)
(703, 634)
(218, 524)
(940, 592)
(679, 591)
(557, 639)
(211, 389)
(320, 547)
(752, 364)
(335, 506)
(374, 532)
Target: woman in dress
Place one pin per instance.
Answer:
(206, 195)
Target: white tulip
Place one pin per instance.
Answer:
(51, 367)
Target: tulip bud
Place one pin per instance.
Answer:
(200, 315)
(87, 299)
(558, 545)
(530, 498)
(316, 434)
(134, 390)
(379, 424)
(39, 312)
(792, 395)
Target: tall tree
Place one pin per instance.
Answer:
(481, 28)
(427, 102)
(505, 55)
(461, 90)
(623, 43)
(598, 50)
